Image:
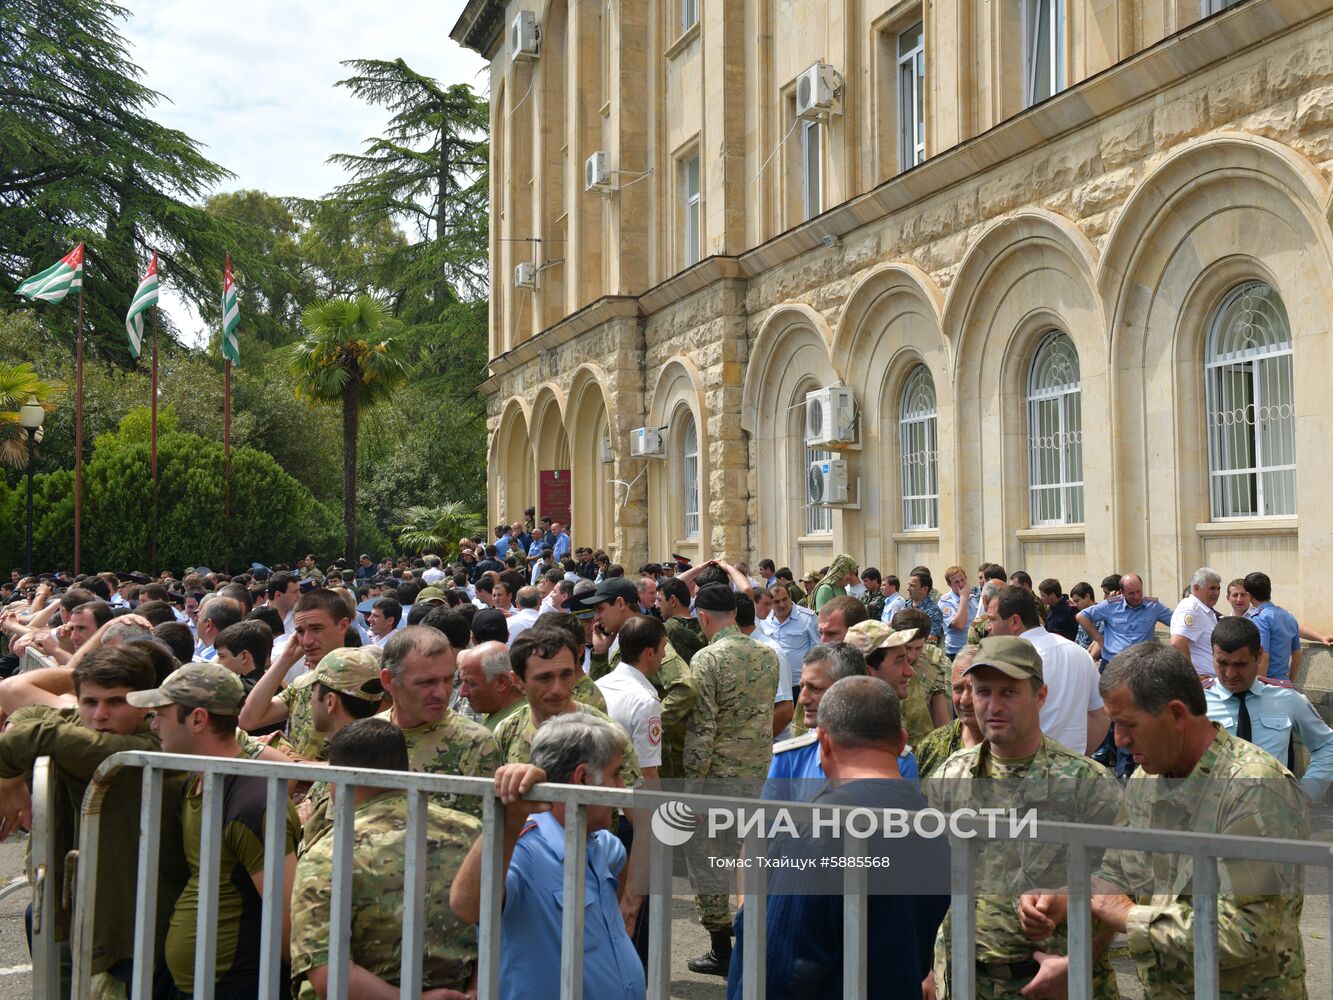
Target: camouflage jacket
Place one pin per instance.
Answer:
(454, 745)
(378, 890)
(515, 734)
(685, 636)
(1061, 787)
(300, 717)
(1235, 788)
(930, 676)
(730, 732)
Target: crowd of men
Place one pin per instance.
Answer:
(529, 660)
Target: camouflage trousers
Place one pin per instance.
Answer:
(714, 912)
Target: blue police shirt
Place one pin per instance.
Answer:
(891, 607)
(561, 547)
(1122, 625)
(794, 637)
(1276, 709)
(956, 638)
(530, 923)
(796, 772)
(502, 547)
(1280, 635)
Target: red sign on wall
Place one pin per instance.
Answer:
(553, 501)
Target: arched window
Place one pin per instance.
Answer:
(1251, 406)
(689, 466)
(919, 445)
(1055, 433)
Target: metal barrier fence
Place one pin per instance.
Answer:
(45, 891)
(1082, 841)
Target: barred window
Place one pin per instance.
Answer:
(1055, 433)
(919, 444)
(1251, 406)
(690, 476)
(818, 520)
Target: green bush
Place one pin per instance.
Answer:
(273, 517)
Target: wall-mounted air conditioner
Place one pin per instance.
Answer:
(830, 417)
(828, 483)
(816, 91)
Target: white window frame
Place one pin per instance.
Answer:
(689, 474)
(689, 14)
(690, 228)
(1249, 384)
(1055, 433)
(1043, 18)
(1211, 7)
(812, 169)
(918, 441)
(818, 520)
(911, 97)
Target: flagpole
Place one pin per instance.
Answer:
(152, 447)
(78, 436)
(226, 465)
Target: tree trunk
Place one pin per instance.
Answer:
(350, 414)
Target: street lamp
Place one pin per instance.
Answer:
(31, 416)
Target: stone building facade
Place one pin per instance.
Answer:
(1073, 258)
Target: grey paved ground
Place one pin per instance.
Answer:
(688, 939)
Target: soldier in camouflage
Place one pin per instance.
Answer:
(926, 706)
(347, 688)
(683, 632)
(545, 661)
(729, 735)
(1017, 767)
(964, 731)
(419, 671)
(378, 887)
(1226, 785)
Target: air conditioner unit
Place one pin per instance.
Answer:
(816, 90)
(525, 275)
(826, 485)
(830, 417)
(646, 442)
(604, 450)
(523, 36)
(597, 172)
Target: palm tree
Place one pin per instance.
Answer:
(438, 528)
(348, 356)
(18, 384)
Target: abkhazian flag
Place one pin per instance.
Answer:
(57, 281)
(145, 298)
(231, 318)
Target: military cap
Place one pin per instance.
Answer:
(353, 671)
(430, 594)
(715, 597)
(1011, 655)
(209, 686)
(869, 636)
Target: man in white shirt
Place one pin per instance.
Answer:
(1193, 620)
(383, 620)
(794, 629)
(433, 574)
(526, 600)
(1074, 714)
(631, 699)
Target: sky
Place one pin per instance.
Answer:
(253, 82)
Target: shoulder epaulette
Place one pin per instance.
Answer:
(796, 742)
(528, 828)
(1207, 682)
(1277, 682)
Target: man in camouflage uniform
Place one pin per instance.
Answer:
(1018, 768)
(729, 735)
(673, 682)
(683, 632)
(964, 731)
(347, 688)
(378, 889)
(545, 660)
(926, 705)
(1226, 785)
(418, 671)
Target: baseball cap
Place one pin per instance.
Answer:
(715, 597)
(430, 594)
(1011, 655)
(607, 591)
(489, 623)
(869, 636)
(209, 686)
(353, 671)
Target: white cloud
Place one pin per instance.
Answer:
(253, 80)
